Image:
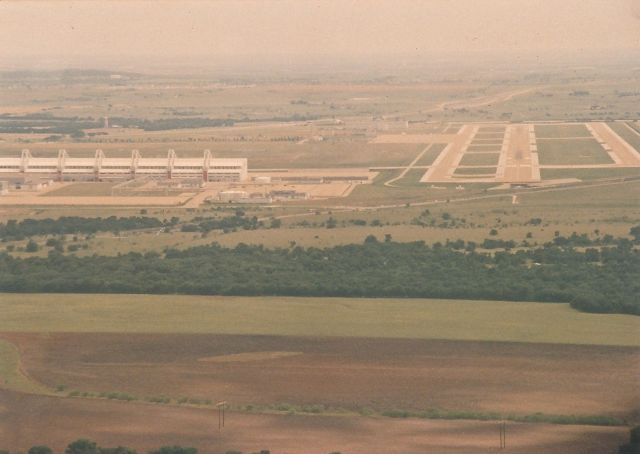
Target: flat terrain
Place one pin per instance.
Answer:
(556, 131)
(338, 357)
(480, 159)
(314, 375)
(92, 189)
(353, 317)
(572, 152)
(148, 426)
(341, 373)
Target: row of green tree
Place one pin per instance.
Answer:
(595, 280)
(226, 224)
(18, 230)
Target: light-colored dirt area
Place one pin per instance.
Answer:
(34, 419)
(250, 356)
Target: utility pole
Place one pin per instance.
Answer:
(221, 407)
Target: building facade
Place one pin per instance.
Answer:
(101, 167)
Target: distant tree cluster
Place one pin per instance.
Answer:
(16, 230)
(226, 224)
(593, 280)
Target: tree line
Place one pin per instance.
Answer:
(595, 280)
(18, 230)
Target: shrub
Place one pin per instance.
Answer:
(174, 450)
(82, 446)
(32, 246)
(370, 239)
(118, 450)
(40, 450)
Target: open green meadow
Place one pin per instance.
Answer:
(411, 178)
(579, 151)
(475, 171)
(589, 174)
(480, 159)
(383, 318)
(431, 154)
(556, 131)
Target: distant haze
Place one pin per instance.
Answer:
(89, 33)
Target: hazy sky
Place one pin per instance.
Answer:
(72, 31)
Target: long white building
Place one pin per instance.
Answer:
(101, 167)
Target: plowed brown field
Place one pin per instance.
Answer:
(26, 420)
(349, 373)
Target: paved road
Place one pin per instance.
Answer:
(520, 164)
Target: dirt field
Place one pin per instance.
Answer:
(381, 374)
(144, 426)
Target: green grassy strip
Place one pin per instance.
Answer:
(586, 420)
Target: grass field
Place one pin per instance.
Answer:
(555, 131)
(480, 141)
(494, 136)
(431, 154)
(480, 159)
(580, 151)
(386, 318)
(484, 147)
(475, 171)
(411, 178)
(589, 174)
